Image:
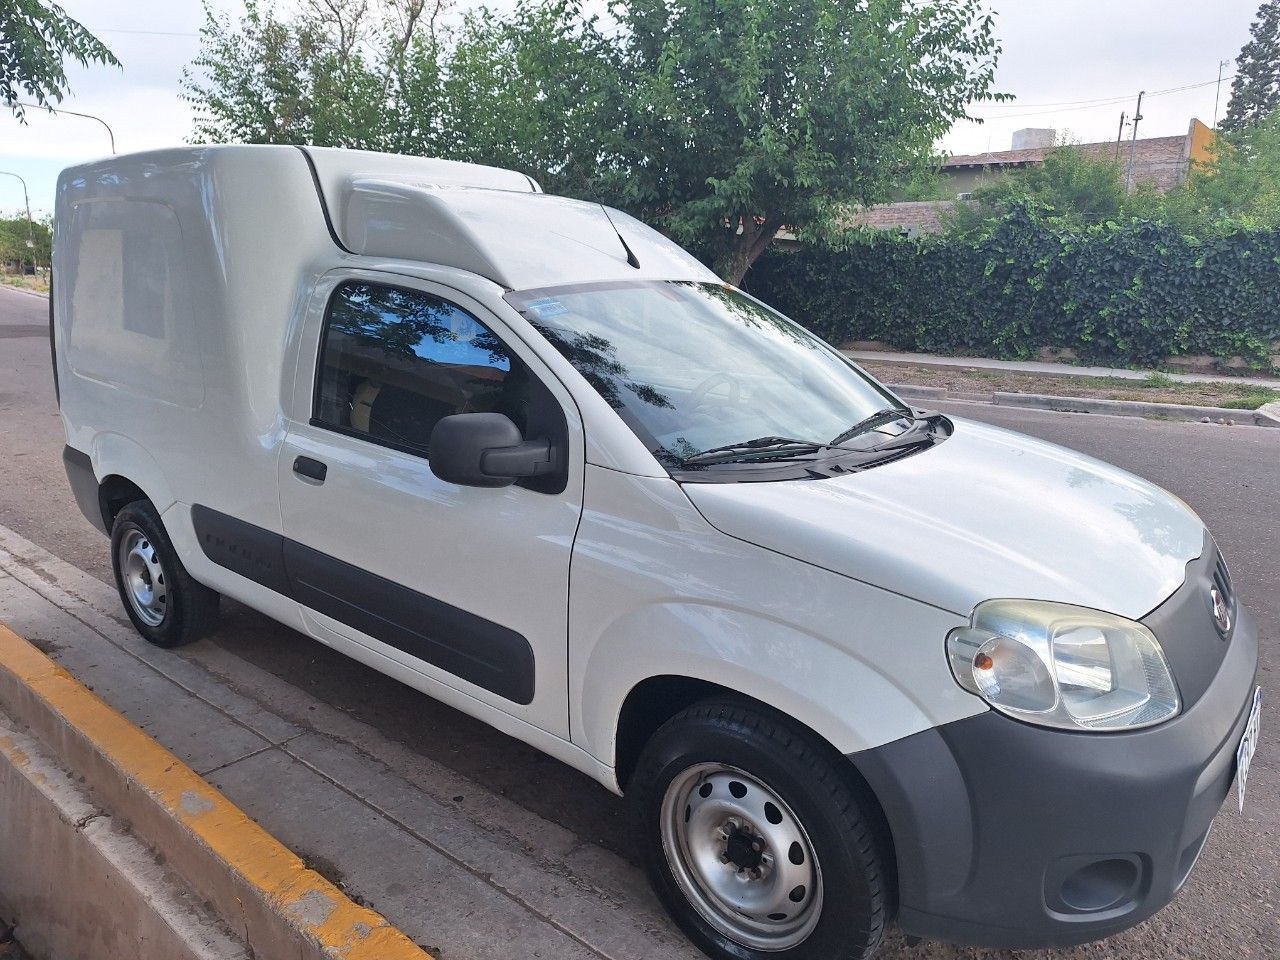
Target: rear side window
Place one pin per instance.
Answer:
(130, 317)
(393, 362)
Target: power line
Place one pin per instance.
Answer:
(1111, 99)
(1056, 103)
(1092, 104)
(151, 33)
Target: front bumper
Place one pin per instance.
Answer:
(1010, 835)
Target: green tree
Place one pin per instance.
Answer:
(745, 116)
(15, 232)
(35, 38)
(720, 123)
(335, 74)
(1255, 91)
(924, 182)
(1078, 187)
(1238, 189)
(536, 90)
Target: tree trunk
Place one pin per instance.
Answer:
(752, 241)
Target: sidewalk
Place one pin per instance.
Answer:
(459, 869)
(1050, 368)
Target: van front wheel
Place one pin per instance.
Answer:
(166, 606)
(754, 840)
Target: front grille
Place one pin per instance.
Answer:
(1222, 580)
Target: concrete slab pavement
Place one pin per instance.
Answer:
(138, 908)
(454, 866)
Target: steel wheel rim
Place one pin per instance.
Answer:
(733, 846)
(143, 578)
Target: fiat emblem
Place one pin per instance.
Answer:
(1221, 612)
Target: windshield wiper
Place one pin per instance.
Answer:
(779, 447)
(742, 451)
(920, 433)
(867, 424)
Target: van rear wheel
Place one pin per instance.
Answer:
(166, 606)
(754, 839)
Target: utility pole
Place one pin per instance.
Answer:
(1119, 134)
(31, 233)
(1218, 91)
(1133, 145)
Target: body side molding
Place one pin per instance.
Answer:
(468, 646)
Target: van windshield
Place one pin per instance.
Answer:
(705, 375)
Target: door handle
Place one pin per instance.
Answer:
(311, 469)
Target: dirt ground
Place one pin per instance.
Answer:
(1155, 389)
(38, 282)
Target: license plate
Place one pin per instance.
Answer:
(1248, 743)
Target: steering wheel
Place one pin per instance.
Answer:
(699, 395)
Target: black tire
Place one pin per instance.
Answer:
(188, 610)
(808, 776)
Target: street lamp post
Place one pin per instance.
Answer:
(31, 230)
(75, 113)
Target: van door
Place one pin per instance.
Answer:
(434, 583)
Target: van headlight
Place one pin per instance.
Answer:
(1063, 666)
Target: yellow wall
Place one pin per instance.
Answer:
(1202, 138)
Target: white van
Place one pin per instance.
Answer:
(849, 660)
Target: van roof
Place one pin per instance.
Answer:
(497, 223)
(486, 220)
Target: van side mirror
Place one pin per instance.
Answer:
(485, 450)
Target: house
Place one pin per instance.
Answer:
(1161, 161)
(912, 217)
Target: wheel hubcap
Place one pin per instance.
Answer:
(741, 857)
(144, 579)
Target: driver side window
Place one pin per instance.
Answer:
(394, 361)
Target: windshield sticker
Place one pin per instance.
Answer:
(547, 308)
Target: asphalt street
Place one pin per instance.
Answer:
(1230, 475)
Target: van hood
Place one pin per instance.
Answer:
(988, 513)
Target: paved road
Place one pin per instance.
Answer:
(1231, 475)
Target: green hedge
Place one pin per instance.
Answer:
(1127, 294)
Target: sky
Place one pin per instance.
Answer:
(1071, 66)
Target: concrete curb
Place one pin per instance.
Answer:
(1050, 368)
(80, 847)
(265, 893)
(1262, 417)
(29, 293)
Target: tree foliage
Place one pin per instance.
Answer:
(1255, 91)
(925, 182)
(1119, 293)
(338, 73)
(538, 90)
(532, 89)
(35, 38)
(15, 231)
(1239, 188)
(1079, 187)
(745, 116)
(719, 122)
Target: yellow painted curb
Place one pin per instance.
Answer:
(308, 902)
